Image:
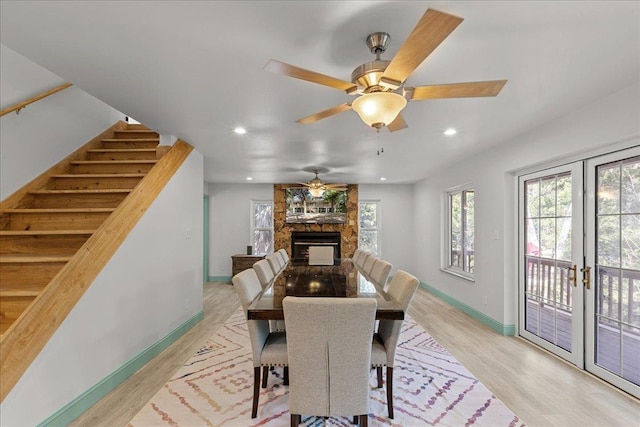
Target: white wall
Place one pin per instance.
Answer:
(396, 221)
(151, 286)
(44, 132)
(229, 224)
(602, 124)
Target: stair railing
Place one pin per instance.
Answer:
(19, 106)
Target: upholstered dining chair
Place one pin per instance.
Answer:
(285, 256)
(274, 263)
(329, 363)
(264, 272)
(283, 262)
(269, 349)
(380, 272)
(368, 266)
(356, 255)
(383, 351)
(320, 255)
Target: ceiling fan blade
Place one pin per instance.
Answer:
(430, 31)
(324, 114)
(458, 90)
(336, 186)
(310, 76)
(397, 124)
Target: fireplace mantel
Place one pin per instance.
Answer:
(283, 231)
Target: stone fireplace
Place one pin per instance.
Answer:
(301, 240)
(348, 232)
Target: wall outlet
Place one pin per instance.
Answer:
(187, 233)
(484, 300)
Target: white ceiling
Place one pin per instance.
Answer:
(195, 70)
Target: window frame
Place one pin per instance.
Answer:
(446, 265)
(377, 229)
(253, 228)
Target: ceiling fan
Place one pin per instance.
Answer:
(317, 187)
(380, 84)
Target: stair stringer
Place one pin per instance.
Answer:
(24, 340)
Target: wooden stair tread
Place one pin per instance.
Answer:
(101, 175)
(110, 162)
(130, 140)
(122, 150)
(58, 210)
(134, 131)
(43, 232)
(5, 259)
(20, 291)
(90, 191)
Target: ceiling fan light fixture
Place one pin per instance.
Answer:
(316, 191)
(378, 109)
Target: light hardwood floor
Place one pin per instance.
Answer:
(540, 388)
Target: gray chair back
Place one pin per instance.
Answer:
(274, 263)
(401, 289)
(285, 256)
(380, 272)
(248, 287)
(329, 352)
(368, 265)
(264, 272)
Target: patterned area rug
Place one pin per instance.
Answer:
(214, 388)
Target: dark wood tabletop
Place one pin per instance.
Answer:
(340, 280)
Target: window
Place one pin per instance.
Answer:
(459, 252)
(369, 227)
(262, 226)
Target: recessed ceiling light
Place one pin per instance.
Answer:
(450, 131)
(383, 178)
(249, 178)
(240, 131)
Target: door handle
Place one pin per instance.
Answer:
(573, 278)
(587, 277)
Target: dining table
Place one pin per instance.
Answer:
(340, 280)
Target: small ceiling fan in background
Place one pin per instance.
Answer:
(380, 84)
(317, 187)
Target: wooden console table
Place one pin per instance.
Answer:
(241, 262)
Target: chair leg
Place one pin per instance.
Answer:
(379, 370)
(265, 376)
(364, 420)
(390, 391)
(286, 375)
(256, 391)
(295, 420)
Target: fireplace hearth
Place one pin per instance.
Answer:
(301, 240)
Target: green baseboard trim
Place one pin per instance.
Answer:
(76, 407)
(219, 279)
(479, 316)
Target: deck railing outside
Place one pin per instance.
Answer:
(551, 283)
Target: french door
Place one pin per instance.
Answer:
(579, 290)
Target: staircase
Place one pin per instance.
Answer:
(47, 226)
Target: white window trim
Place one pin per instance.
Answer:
(378, 228)
(252, 226)
(446, 235)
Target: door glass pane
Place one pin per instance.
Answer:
(617, 283)
(608, 189)
(548, 222)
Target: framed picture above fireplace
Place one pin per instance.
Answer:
(303, 208)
